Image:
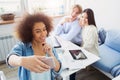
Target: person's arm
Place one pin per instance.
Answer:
(47, 48)
(64, 20)
(32, 63)
(74, 30)
(14, 60)
(56, 73)
(59, 29)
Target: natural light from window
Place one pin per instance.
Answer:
(51, 7)
(10, 6)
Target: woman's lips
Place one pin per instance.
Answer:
(42, 39)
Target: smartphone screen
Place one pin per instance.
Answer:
(77, 54)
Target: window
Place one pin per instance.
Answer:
(51, 7)
(10, 6)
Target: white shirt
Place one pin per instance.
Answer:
(90, 39)
(41, 76)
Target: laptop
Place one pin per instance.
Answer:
(56, 43)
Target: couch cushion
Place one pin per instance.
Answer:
(109, 58)
(102, 35)
(113, 39)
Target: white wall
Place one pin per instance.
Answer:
(107, 12)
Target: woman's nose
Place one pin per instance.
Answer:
(43, 33)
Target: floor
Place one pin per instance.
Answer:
(92, 74)
(11, 74)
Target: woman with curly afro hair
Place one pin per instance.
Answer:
(32, 49)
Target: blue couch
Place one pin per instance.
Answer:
(110, 53)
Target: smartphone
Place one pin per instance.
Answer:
(49, 61)
(77, 54)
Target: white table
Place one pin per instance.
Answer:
(69, 62)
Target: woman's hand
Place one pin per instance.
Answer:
(47, 49)
(34, 63)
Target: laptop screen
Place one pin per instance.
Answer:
(56, 43)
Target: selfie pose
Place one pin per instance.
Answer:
(33, 55)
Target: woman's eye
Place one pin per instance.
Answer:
(38, 31)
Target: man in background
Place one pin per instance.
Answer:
(69, 28)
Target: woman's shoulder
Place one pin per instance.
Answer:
(21, 44)
(92, 27)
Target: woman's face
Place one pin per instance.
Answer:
(39, 32)
(83, 19)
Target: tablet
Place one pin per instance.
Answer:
(77, 54)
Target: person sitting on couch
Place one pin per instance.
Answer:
(89, 31)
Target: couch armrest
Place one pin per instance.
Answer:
(116, 70)
(102, 35)
(105, 73)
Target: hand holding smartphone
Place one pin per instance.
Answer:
(49, 61)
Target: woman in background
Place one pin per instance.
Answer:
(89, 37)
(89, 31)
(29, 54)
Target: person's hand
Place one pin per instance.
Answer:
(67, 19)
(47, 49)
(34, 63)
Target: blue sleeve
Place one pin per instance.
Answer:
(59, 29)
(54, 73)
(16, 50)
(74, 31)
